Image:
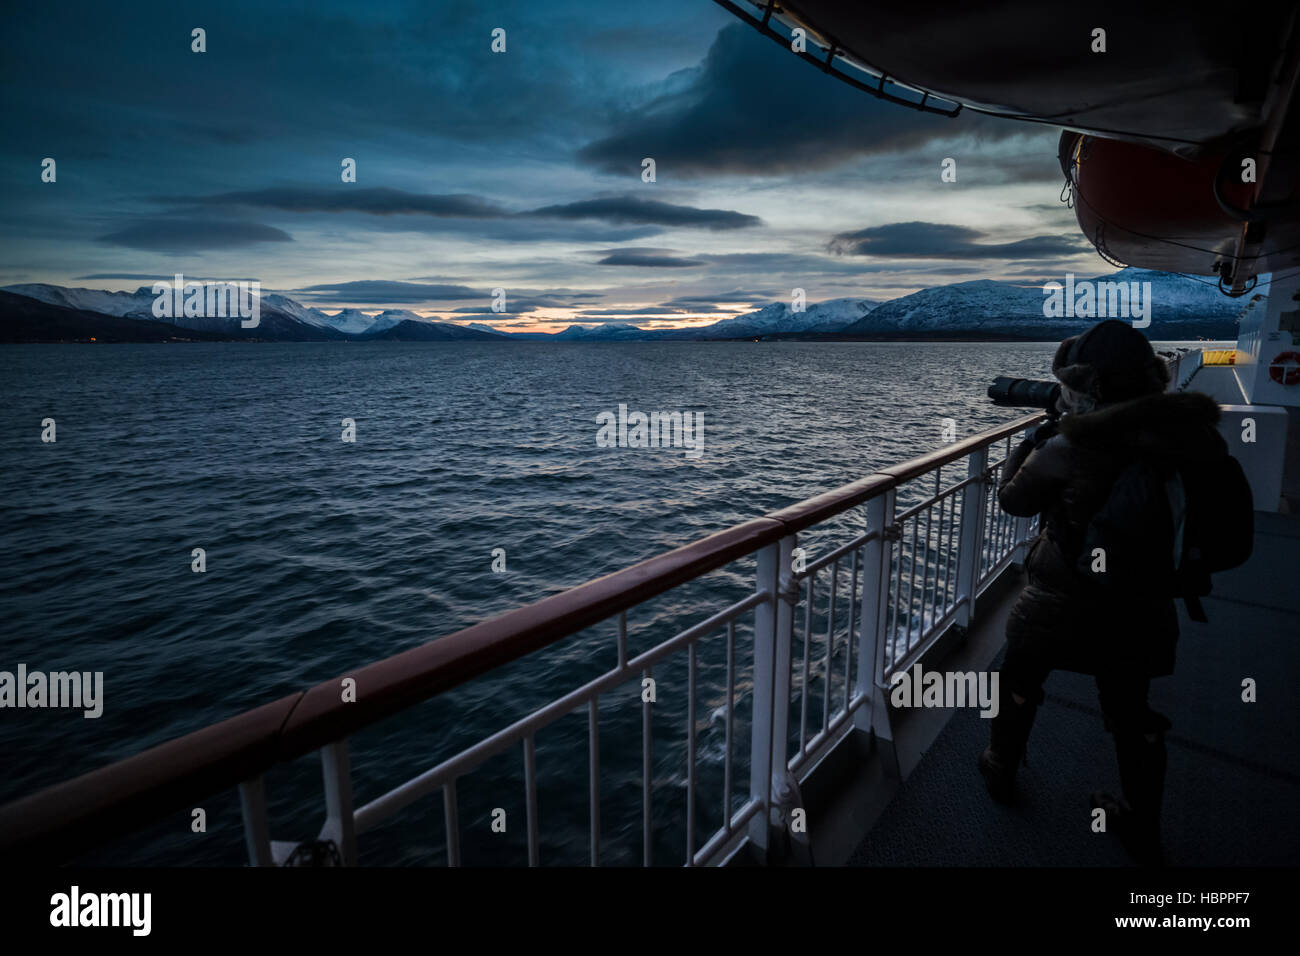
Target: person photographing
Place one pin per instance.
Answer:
(1123, 483)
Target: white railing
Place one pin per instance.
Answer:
(900, 558)
(912, 574)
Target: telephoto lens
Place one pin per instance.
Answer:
(1024, 393)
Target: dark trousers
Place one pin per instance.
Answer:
(1138, 730)
(1122, 693)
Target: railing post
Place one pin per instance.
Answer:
(788, 592)
(873, 637)
(764, 742)
(789, 595)
(257, 837)
(971, 536)
(336, 766)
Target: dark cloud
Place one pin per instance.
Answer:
(612, 211)
(1040, 268)
(551, 296)
(615, 313)
(701, 309)
(379, 290)
(155, 277)
(653, 262)
(377, 201)
(520, 302)
(325, 72)
(511, 308)
(595, 323)
(750, 108)
(1057, 208)
(189, 235)
(694, 303)
(933, 240)
(633, 210)
(516, 229)
(789, 264)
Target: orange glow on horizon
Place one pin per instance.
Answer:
(552, 321)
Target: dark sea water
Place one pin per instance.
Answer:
(324, 555)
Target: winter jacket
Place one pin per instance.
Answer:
(1061, 618)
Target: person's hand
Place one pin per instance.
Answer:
(1044, 431)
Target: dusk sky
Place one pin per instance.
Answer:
(478, 170)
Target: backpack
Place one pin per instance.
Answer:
(1165, 528)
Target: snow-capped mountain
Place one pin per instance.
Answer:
(39, 312)
(1179, 307)
(833, 315)
(1185, 302)
(137, 304)
(390, 317)
(608, 332)
(296, 309)
(356, 322)
(350, 321)
(407, 326)
(774, 319)
(423, 330)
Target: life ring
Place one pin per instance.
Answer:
(1285, 368)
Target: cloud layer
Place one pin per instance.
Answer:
(933, 240)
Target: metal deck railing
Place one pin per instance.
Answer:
(915, 544)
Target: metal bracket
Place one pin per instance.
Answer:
(892, 532)
(1227, 290)
(788, 589)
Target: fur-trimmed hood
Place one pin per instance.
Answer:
(1111, 362)
(1167, 425)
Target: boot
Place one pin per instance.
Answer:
(1136, 818)
(1006, 750)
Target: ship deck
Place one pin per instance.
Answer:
(1234, 767)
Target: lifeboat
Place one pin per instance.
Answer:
(1146, 206)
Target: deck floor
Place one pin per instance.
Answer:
(1233, 784)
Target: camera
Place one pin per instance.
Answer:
(1025, 393)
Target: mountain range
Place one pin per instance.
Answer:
(1181, 307)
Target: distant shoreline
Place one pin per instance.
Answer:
(828, 339)
(977, 311)
(28, 321)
